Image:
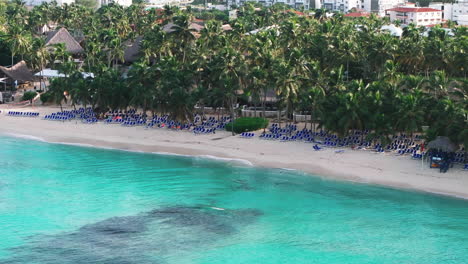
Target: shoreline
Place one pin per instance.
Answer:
(354, 166)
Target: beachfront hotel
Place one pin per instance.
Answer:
(457, 11)
(410, 14)
(39, 2)
(293, 3)
(162, 3)
(68, 2)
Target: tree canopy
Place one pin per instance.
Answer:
(346, 73)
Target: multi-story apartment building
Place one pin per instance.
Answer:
(38, 2)
(372, 6)
(457, 11)
(420, 16)
(120, 2)
(292, 3)
(162, 3)
(342, 5)
(379, 6)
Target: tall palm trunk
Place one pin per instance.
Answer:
(255, 108)
(312, 128)
(232, 116)
(279, 116)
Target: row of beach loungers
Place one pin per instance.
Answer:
(401, 144)
(131, 118)
(23, 114)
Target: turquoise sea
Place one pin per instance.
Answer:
(68, 204)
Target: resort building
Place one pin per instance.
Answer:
(457, 12)
(63, 36)
(377, 7)
(342, 5)
(39, 2)
(162, 3)
(119, 2)
(292, 3)
(17, 75)
(420, 16)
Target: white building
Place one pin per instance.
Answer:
(342, 5)
(125, 3)
(39, 2)
(420, 16)
(162, 3)
(457, 11)
(293, 3)
(379, 6)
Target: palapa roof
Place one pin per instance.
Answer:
(226, 27)
(19, 71)
(442, 143)
(63, 36)
(132, 50)
(168, 28)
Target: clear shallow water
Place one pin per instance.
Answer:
(66, 204)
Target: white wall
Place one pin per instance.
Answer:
(125, 3)
(457, 12)
(387, 4)
(293, 3)
(417, 18)
(39, 2)
(342, 5)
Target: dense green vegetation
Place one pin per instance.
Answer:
(46, 97)
(347, 73)
(29, 96)
(245, 124)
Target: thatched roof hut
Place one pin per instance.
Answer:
(443, 144)
(18, 72)
(169, 27)
(63, 36)
(133, 49)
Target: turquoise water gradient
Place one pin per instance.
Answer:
(67, 204)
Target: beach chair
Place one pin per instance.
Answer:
(316, 147)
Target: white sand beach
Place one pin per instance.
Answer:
(351, 165)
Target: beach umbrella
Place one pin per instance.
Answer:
(442, 143)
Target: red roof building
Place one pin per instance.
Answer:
(358, 14)
(420, 16)
(413, 9)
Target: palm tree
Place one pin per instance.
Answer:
(41, 55)
(19, 42)
(410, 115)
(57, 91)
(230, 76)
(183, 34)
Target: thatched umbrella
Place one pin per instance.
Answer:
(442, 143)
